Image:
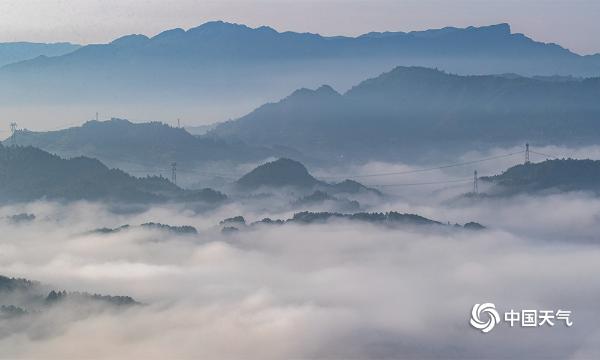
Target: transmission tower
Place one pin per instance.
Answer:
(475, 183)
(174, 173)
(527, 153)
(13, 131)
(179, 123)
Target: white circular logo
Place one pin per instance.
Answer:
(487, 310)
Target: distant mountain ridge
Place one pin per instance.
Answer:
(265, 43)
(409, 111)
(218, 70)
(401, 115)
(13, 52)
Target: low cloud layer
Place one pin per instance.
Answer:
(339, 290)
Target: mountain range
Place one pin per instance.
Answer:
(409, 114)
(220, 70)
(414, 112)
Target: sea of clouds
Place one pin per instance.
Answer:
(335, 290)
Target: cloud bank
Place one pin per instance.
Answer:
(338, 290)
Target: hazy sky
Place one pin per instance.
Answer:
(571, 23)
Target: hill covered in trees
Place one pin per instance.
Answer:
(177, 230)
(119, 142)
(278, 173)
(284, 173)
(548, 176)
(22, 297)
(28, 173)
(392, 219)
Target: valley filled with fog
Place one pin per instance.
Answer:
(337, 288)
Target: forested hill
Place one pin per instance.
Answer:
(283, 173)
(119, 141)
(28, 173)
(551, 175)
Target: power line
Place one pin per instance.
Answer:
(542, 154)
(234, 176)
(465, 180)
(426, 169)
(473, 179)
(61, 127)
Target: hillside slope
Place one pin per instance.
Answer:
(548, 176)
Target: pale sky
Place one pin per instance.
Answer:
(571, 23)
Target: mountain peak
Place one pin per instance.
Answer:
(168, 34)
(399, 76)
(218, 26)
(278, 173)
(500, 29)
(112, 121)
(326, 89)
(323, 90)
(414, 70)
(129, 40)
